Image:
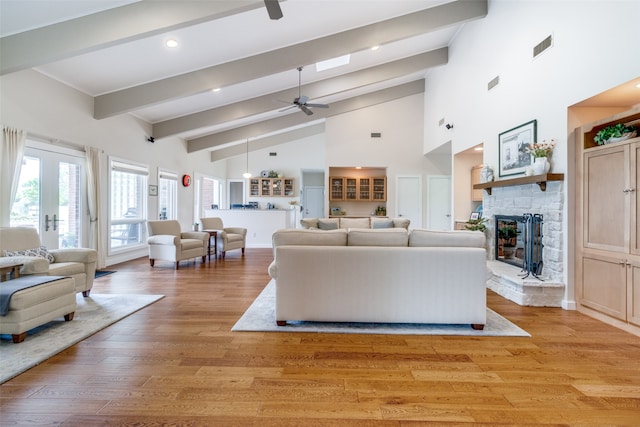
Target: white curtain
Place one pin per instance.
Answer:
(11, 153)
(93, 157)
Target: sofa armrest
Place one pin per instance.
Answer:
(236, 230)
(164, 239)
(30, 264)
(200, 235)
(83, 255)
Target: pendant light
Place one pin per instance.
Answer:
(247, 174)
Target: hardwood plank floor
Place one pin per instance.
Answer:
(177, 363)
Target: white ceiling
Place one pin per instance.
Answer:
(115, 52)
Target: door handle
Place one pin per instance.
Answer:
(46, 222)
(55, 222)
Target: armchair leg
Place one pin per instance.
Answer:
(242, 251)
(177, 265)
(152, 261)
(223, 254)
(204, 259)
(86, 293)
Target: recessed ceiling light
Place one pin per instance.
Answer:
(638, 85)
(333, 62)
(375, 48)
(171, 43)
(479, 148)
(216, 89)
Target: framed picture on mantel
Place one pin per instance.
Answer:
(513, 157)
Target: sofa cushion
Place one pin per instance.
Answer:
(328, 224)
(381, 223)
(354, 223)
(457, 238)
(401, 223)
(40, 251)
(287, 237)
(309, 223)
(378, 237)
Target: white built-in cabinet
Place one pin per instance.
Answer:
(607, 232)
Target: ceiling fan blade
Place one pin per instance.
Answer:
(317, 105)
(273, 9)
(307, 111)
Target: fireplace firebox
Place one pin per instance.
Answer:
(518, 241)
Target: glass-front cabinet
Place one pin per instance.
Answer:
(358, 189)
(271, 187)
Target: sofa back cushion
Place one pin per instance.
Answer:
(457, 238)
(379, 237)
(354, 223)
(309, 223)
(18, 238)
(328, 223)
(381, 223)
(297, 237)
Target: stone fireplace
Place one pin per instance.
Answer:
(508, 277)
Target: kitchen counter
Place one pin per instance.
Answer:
(260, 223)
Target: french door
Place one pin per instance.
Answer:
(49, 195)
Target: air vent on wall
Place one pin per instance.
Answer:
(376, 135)
(273, 153)
(493, 83)
(542, 46)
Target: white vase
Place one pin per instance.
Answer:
(540, 165)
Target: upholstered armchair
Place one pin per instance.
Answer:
(21, 245)
(229, 238)
(168, 243)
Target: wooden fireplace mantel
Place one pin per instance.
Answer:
(541, 180)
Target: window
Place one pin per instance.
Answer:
(211, 194)
(127, 207)
(167, 195)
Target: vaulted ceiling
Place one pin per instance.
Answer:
(115, 51)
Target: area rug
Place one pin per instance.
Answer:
(100, 273)
(260, 317)
(92, 314)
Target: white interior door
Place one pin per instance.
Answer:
(409, 199)
(313, 202)
(439, 203)
(49, 196)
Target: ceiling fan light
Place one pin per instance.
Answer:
(171, 43)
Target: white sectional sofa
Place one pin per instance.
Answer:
(383, 276)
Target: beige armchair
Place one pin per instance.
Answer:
(21, 245)
(229, 238)
(168, 243)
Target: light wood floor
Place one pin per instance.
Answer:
(177, 363)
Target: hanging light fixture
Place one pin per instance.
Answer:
(247, 174)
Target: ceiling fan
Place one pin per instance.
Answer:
(301, 100)
(273, 9)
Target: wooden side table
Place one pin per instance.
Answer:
(214, 234)
(11, 271)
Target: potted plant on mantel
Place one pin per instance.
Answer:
(507, 236)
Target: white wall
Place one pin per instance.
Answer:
(400, 122)
(593, 50)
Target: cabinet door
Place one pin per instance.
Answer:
(276, 187)
(633, 296)
(289, 187)
(606, 205)
(364, 189)
(337, 188)
(604, 285)
(380, 189)
(254, 187)
(634, 198)
(350, 189)
(265, 187)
